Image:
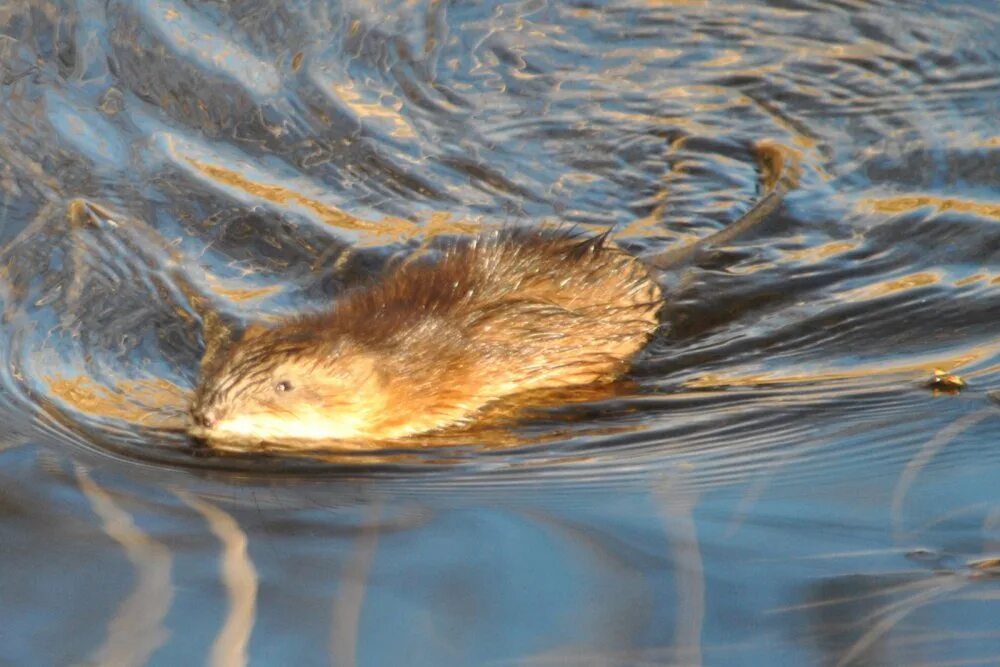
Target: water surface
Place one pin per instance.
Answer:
(776, 484)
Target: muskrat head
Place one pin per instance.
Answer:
(274, 385)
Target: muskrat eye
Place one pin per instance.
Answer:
(283, 386)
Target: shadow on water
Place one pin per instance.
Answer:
(775, 483)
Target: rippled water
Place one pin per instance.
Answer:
(775, 485)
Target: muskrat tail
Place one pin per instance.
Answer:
(780, 171)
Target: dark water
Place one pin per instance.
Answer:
(777, 486)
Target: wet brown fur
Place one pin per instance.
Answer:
(434, 341)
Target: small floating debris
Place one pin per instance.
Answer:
(923, 554)
(939, 560)
(946, 382)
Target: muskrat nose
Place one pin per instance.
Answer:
(207, 418)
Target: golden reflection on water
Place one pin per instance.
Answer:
(443, 222)
(971, 280)
(376, 233)
(278, 194)
(240, 294)
(921, 368)
(726, 58)
(882, 288)
(155, 402)
(903, 204)
(137, 629)
(824, 251)
(348, 95)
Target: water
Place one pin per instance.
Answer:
(776, 485)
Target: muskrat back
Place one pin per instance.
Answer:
(434, 341)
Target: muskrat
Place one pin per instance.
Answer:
(432, 343)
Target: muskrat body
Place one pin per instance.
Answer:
(433, 342)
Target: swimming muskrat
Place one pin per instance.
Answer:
(432, 343)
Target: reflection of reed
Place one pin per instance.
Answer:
(622, 616)
(240, 579)
(677, 503)
(854, 603)
(923, 457)
(876, 606)
(350, 595)
(885, 618)
(137, 629)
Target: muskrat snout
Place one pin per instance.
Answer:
(205, 417)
